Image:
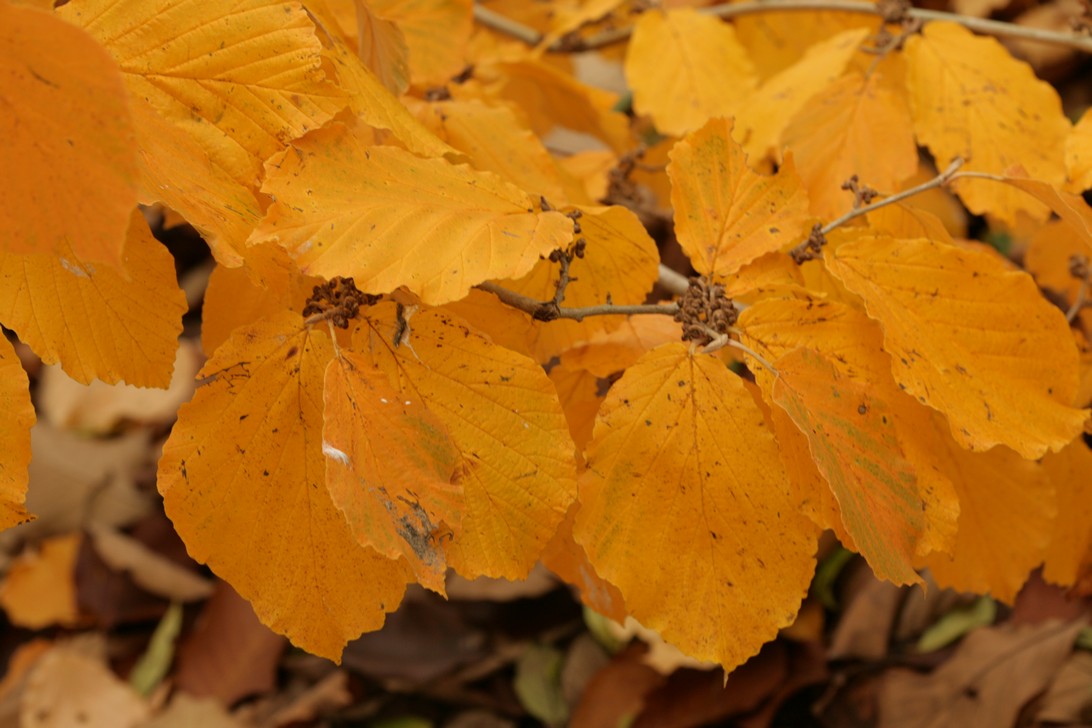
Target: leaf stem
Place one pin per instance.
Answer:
(1079, 302)
(503, 24)
(531, 306)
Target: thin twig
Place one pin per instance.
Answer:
(531, 306)
(503, 24)
(997, 28)
(673, 281)
(1079, 302)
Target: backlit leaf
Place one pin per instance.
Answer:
(853, 126)
(1078, 154)
(971, 99)
(971, 338)
(726, 215)
(1071, 534)
(686, 509)
(502, 414)
(242, 78)
(70, 169)
(15, 426)
(856, 448)
(389, 463)
(436, 33)
(388, 218)
(242, 478)
(97, 324)
(761, 121)
(686, 68)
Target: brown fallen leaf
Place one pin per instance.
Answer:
(185, 711)
(993, 674)
(1068, 700)
(864, 628)
(67, 687)
(616, 695)
(329, 694)
(229, 654)
(152, 572)
(39, 589)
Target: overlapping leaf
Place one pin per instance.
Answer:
(15, 427)
(971, 338)
(94, 321)
(243, 78)
(1078, 154)
(686, 509)
(686, 68)
(854, 126)
(436, 33)
(70, 169)
(502, 414)
(1071, 533)
(390, 219)
(727, 215)
(381, 44)
(389, 466)
(971, 99)
(242, 478)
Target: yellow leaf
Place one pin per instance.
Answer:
(970, 338)
(1005, 520)
(969, 98)
(70, 169)
(686, 68)
(906, 222)
(685, 507)
(1071, 534)
(725, 214)
(761, 121)
(40, 587)
(388, 218)
(566, 558)
(382, 46)
(368, 98)
(242, 78)
(855, 446)
(853, 126)
(15, 427)
(579, 393)
(389, 466)
(242, 479)
(436, 33)
(609, 352)
(1047, 258)
(620, 263)
(504, 418)
(776, 40)
(176, 171)
(1071, 208)
(97, 324)
(1078, 154)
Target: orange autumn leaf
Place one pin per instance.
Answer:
(762, 120)
(1078, 154)
(39, 589)
(970, 338)
(566, 558)
(686, 509)
(727, 215)
(15, 427)
(776, 40)
(92, 320)
(1071, 208)
(436, 33)
(70, 168)
(242, 478)
(382, 47)
(854, 126)
(388, 218)
(1071, 532)
(389, 467)
(241, 100)
(969, 98)
(579, 392)
(502, 414)
(856, 448)
(686, 68)
(1005, 520)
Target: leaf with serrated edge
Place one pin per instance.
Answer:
(389, 465)
(970, 338)
(503, 415)
(727, 215)
(685, 507)
(388, 218)
(243, 481)
(92, 320)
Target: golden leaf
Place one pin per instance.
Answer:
(15, 427)
(685, 507)
(242, 478)
(969, 98)
(70, 170)
(686, 68)
(1078, 154)
(971, 338)
(436, 33)
(94, 321)
(1071, 532)
(726, 215)
(388, 218)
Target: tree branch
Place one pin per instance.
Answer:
(530, 306)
